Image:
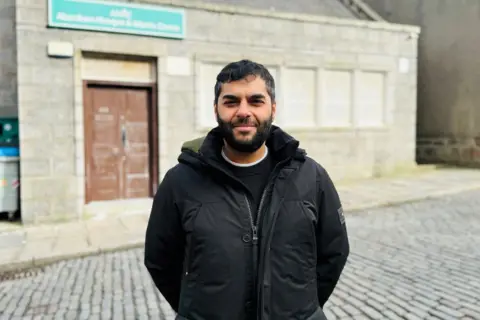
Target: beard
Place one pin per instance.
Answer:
(247, 145)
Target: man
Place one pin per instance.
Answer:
(246, 226)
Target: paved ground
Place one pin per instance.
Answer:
(37, 245)
(415, 261)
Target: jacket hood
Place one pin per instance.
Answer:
(193, 145)
(204, 149)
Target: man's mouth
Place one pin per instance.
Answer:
(244, 125)
(244, 128)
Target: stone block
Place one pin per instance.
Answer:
(71, 229)
(59, 75)
(40, 233)
(63, 167)
(34, 210)
(180, 84)
(29, 4)
(179, 106)
(38, 188)
(29, 75)
(31, 15)
(408, 46)
(37, 148)
(12, 239)
(136, 224)
(40, 248)
(70, 243)
(34, 167)
(66, 208)
(347, 33)
(59, 192)
(63, 147)
(60, 98)
(377, 62)
(37, 54)
(340, 60)
(107, 242)
(8, 255)
(31, 94)
(35, 112)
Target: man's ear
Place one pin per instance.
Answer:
(274, 110)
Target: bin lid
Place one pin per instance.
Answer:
(9, 151)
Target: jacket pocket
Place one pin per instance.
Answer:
(310, 214)
(307, 243)
(190, 214)
(188, 255)
(294, 243)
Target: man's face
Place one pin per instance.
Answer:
(245, 113)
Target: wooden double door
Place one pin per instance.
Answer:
(120, 142)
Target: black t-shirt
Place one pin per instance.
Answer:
(255, 178)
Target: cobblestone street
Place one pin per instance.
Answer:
(414, 261)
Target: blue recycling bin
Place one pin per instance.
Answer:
(9, 179)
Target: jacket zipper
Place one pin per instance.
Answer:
(254, 224)
(254, 227)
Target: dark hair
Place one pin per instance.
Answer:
(238, 70)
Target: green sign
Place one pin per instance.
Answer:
(8, 132)
(117, 17)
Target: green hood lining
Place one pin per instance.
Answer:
(193, 145)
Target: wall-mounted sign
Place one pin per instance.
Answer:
(116, 17)
(60, 49)
(403, 65)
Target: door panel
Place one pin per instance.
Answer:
(105, 149)
(117, 143)
(137, 168)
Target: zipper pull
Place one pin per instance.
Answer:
(255, 235)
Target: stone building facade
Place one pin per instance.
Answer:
(448, 127)
(103, 114)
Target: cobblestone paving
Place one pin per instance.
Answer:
(415, 261)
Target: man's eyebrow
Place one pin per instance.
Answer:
(257, 96)
(230, 97)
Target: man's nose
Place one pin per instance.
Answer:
(243, 109)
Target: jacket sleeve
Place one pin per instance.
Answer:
(164, 243)
(332, 241)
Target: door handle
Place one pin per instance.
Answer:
(124, 136)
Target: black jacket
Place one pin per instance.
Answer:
(202, 253)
